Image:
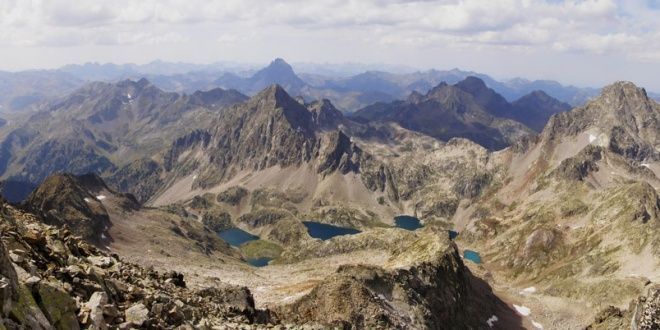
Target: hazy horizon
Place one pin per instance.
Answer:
(581, 43)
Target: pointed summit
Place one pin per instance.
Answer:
(437, 89)
(626, 119)
(624, 102)
(472, 84)
(491, 101)
(535, 109)
(624, 94)
(274, 99)
(325, 114)
(276, 94)
(277, 72)
(280, 63)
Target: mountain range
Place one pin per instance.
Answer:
(27, 90)
(467, 109)
(121, 192)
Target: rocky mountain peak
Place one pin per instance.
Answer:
(492, 102)
(137, 86)
(280, 64)
(217, 97)
(437, 90)
(275, 98)
(279, 72)
(538, 94)
(325, 114)
(624, 104)
(623, 94)
(276, 93)
(626, 119)
(64, 199)
(415, 97)
(472, 84)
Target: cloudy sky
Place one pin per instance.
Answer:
(589, 42)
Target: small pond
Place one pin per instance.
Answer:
(407, 222)
(452, 234)
(472, 256)
(236, 237)
(259, 262)
(325, 231)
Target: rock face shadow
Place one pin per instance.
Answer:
(484, 301)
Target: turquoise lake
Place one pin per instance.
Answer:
(472, 256)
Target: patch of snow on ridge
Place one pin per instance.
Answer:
(86, 199)
(491, 321)
(537, 325)
(129, 96)
(100, 197)
(592, 138)
(529, 290)
(522, 310)
(646, 165)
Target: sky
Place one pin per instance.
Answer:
(586, 43)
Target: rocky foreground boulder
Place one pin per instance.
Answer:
(51, 279)
(643, 313)
(423, 285)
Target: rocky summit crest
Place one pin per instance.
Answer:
(622, 117)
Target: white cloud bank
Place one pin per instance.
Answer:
(336, 30)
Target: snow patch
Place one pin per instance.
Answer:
(293, 297)
(646, 165)
(537, 325)
(103, 236)
(86, 199)
(491, 321)
(522, 310)
(592, 138)
(100, 197)
(129, 96)
(529, 290)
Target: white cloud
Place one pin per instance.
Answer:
(341, 28)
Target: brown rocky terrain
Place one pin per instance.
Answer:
(53, 280)
(576, 217)
(563, 219)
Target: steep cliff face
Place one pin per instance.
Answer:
(270, 129)
(141, 178)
